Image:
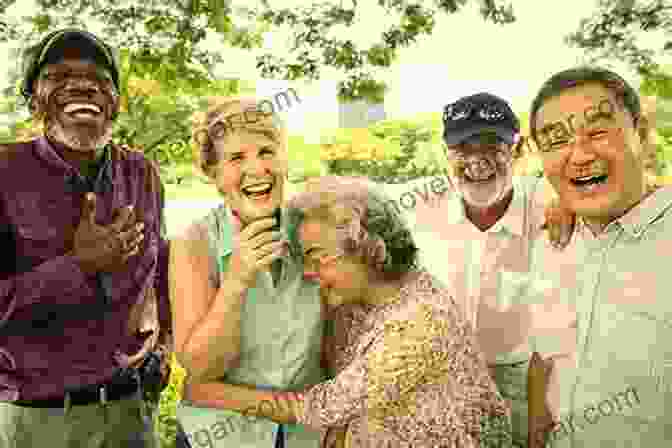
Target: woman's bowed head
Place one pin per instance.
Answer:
(350, 240)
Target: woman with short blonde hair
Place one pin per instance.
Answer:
(242, 311)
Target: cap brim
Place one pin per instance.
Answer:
(87, 43)
(504, 132)
(37, 56)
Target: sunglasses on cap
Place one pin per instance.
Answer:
(466, 110)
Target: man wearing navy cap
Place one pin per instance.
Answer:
(83, 259)
(477, 239)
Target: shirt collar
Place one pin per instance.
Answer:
(637, 220)
(47, 153)
(513, 220)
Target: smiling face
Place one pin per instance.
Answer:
(592, 152)
(77, 100)
(481, 172)
(251, 173)
(343, 278)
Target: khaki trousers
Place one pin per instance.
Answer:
(122, 423)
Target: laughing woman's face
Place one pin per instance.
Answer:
(251, 173)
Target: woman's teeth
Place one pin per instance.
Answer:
(589, 184)
(589, 180)
(258, 190)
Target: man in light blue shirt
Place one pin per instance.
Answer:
(612, 366)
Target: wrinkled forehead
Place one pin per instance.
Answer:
(246, 140)
(579, 104)
(221, 112)
(79, 65)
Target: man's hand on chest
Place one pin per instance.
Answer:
(106, 248)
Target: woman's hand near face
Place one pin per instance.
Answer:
(255, 248)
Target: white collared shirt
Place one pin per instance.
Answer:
(471, 262)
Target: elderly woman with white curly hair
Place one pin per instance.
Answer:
(409, 373)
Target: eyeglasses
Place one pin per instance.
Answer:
(490, 112)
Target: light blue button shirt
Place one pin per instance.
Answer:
(617, 390)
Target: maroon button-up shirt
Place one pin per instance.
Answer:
(59, 329)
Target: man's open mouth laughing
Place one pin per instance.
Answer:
(82, 111)
(479, 171)
(589, 183)
(481, 179)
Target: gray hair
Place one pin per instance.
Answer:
(365, 220)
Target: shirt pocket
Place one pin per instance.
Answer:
(633, 346)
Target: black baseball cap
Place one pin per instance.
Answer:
(482, 113)
(51, 50)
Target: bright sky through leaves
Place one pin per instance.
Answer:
(464, 55)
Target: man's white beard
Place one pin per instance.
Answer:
(487, 195)
(79, 141)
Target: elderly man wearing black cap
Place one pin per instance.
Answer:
(477, 239)
(83, 259)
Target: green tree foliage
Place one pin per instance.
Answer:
(160, 46)
(613, 31)
(163, 42)
(166, 35)
(313, 50)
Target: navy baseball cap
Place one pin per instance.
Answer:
(52, 48)
(482, 113)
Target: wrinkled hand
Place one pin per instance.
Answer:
(289, 405)
(136, 360)
(255, 248)
(335, 437)
(105, 248)
(282, 407)
(559, 223)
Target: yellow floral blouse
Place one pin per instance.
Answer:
(409, 375)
